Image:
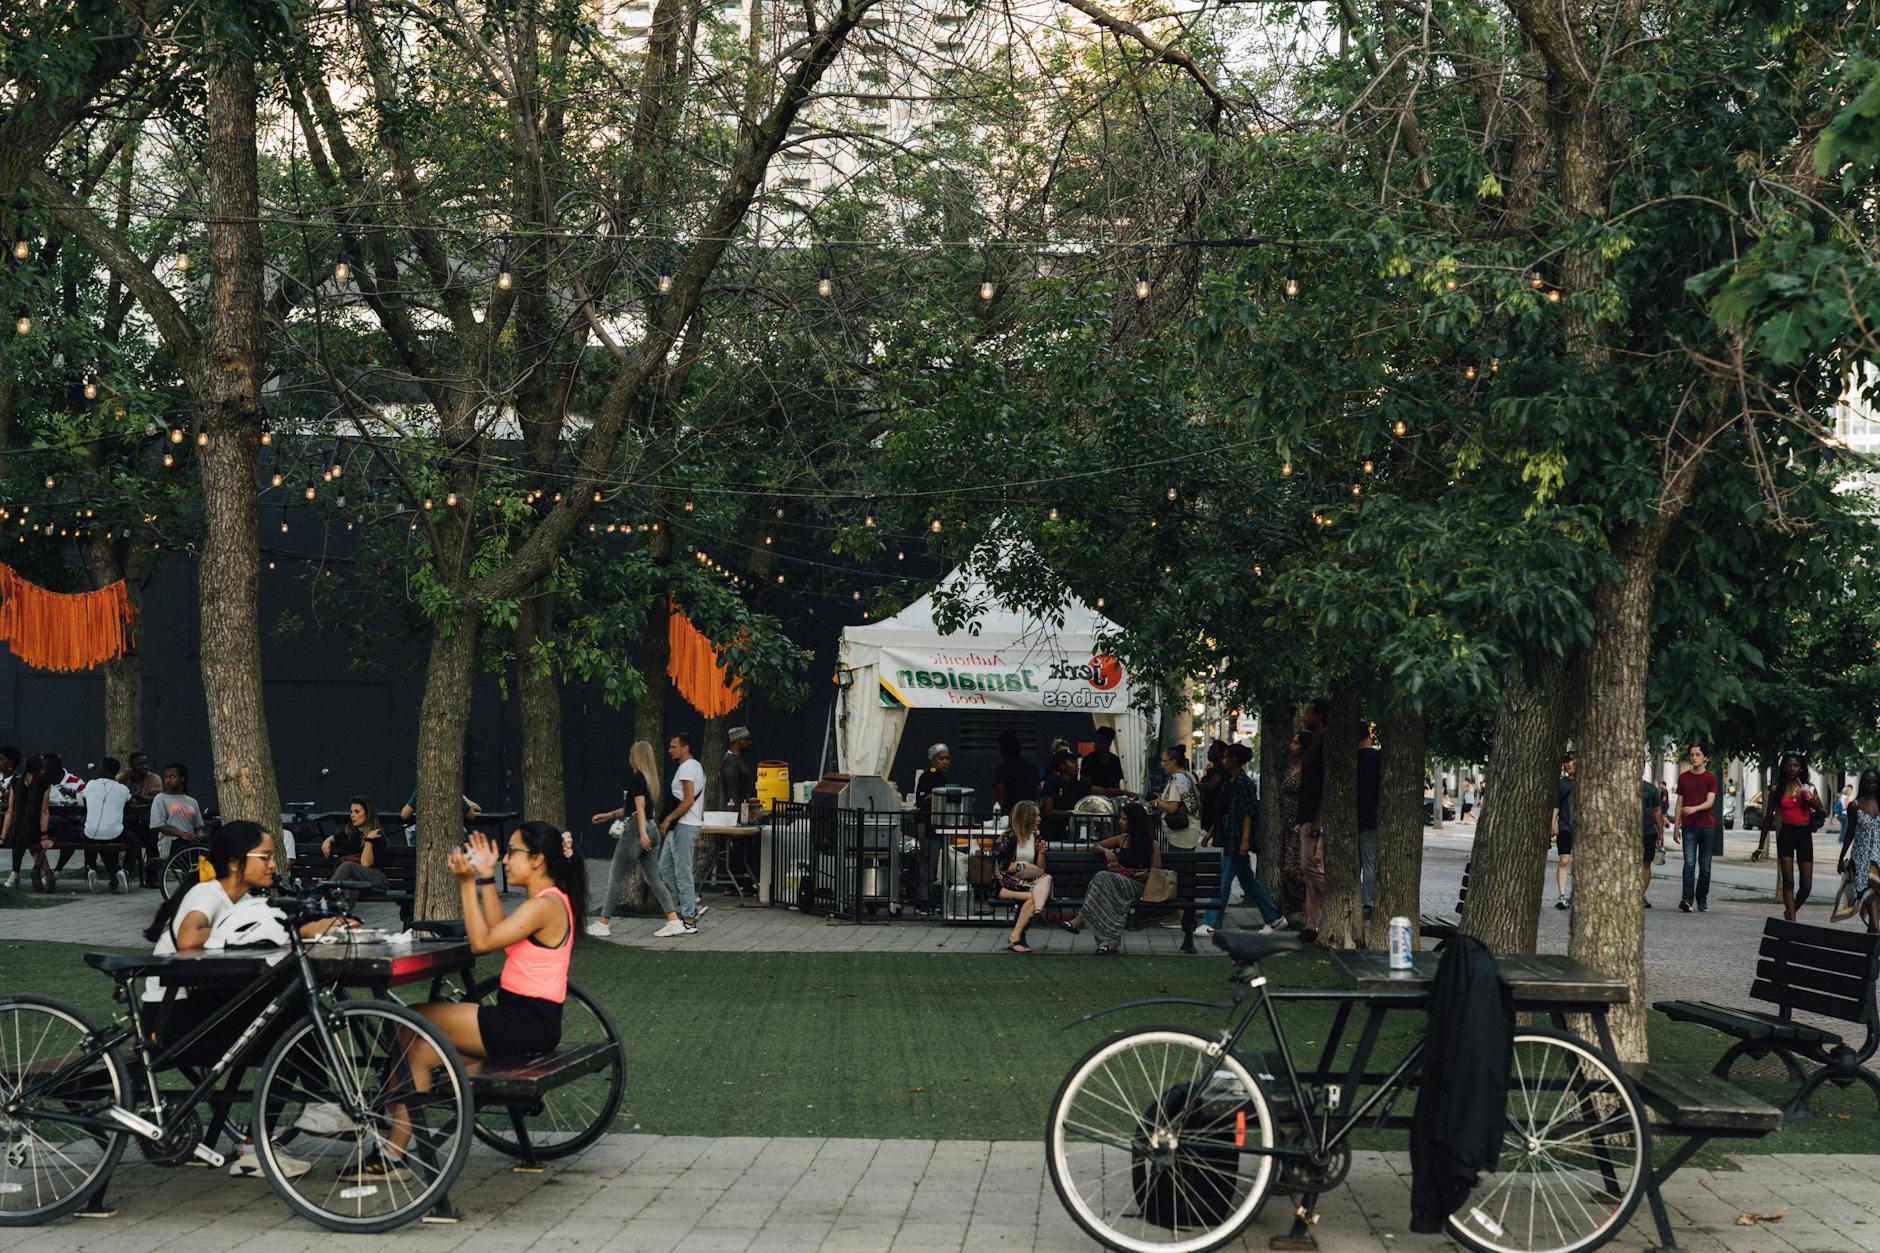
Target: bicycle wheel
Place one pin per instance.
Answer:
(179, 870)
(1575, 1154)
(1157, 1143)
(342, 1114)
(49, 1167)
(566, 1119)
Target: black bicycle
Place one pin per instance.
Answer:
(1168, 1140)
(335, 1084)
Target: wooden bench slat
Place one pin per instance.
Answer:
(1787, 974)
(1843, 1007)
(1690, 1099)
(526, 1077)
(1812, 935)
(1747, 1024)
(1806, 957)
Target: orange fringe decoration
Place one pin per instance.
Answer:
(696, 670)
(60, 631)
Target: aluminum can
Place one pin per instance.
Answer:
(1400, 943)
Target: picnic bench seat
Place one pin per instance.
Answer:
(1690, 1102)
(1197, 884)
(1822, 971)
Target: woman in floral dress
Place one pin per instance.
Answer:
(1860, 847)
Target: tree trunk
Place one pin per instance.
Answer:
(1403, 740)
(112, 559)
(442, 716)
(649, 715)
(1341, 923)
(1608, 927)
(227, 392)
(544, 791)
(1509, 863)
(1276, 728)
(712, 751)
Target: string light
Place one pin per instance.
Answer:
(91, 389)
(450, 500)
(665, 284)
(767, 541)
(934, 526)
(1494, 365)
(21, 249)
(1142, 285)
(427, 509)
(168, 460)
(202, 439)
(182, 261)
(986, 289)
(342, 268)
(504, 279)
(1369, 468)
(310, 493)
(825, 287)
(176, 435)
(1553, 296)
(869, 521)
(1053, 514)
(1285, 469)
(1357, 489)
(1449, 284)
(1469, 373)
(336, 470)
(1399, 428)
(24, 323)
(900, 555)
(49, 482)
(283, 526)
(688, 506)
(1534, 281)
(597, 495)
(780, 578)
(274, 480)
(1171, 493)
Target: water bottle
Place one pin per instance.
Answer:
(1400, 943)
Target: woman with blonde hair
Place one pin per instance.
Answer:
(1019, 856)
(636, 842)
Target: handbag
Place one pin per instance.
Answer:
(1158, 887)
(1846, 899)
(1177, 818)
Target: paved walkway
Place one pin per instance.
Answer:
(650, 1195)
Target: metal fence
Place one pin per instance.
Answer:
(862, 865)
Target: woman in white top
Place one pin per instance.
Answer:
(243, 857)
(1020, 858)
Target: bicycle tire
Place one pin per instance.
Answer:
(1157, 1139)
(25, 1049)
(569, 1118)
(1556, 1157)
(180, 871)
(295, 1080)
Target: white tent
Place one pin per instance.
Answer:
(1010, 659)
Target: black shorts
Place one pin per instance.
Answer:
(1797, 842)
(519, 1026)
(1651, 847)
(1563, 843)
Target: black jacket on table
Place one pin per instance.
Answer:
(1461, 1099)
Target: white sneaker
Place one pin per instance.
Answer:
(691, 928)
(248, 1166)
(13, 878)
(120, 883)
(94, 882)
(599, 928)
(675, 927)
(702, 911)
(1204, 929)
(325, 1119)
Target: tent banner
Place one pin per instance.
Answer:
(1029, 677)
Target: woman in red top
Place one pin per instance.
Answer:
(1795, 808)
(536, 942)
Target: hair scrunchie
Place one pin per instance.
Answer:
(567, 844)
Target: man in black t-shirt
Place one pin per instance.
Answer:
(1060, 794)
(1102, 769)
(1015, 779)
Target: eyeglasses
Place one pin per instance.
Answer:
(263, 856)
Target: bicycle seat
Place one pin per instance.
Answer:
(442, 928)
(1249, 947)
(122, 965)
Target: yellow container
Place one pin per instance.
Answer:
(773, 783)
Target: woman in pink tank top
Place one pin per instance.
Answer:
(536, 941)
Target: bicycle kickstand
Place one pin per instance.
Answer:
(96, 1206)
(1305, 1218)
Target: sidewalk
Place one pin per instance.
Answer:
(651, 1195)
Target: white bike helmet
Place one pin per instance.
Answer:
(250, 923)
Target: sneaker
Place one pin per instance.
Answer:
(1203, 929)
(325, 1119)
(1703, 907)
(1684, 907)
(691, 928)
(1309, 935)
(13, 878)
(599, 928)
(1560, 902)
(120, 884)
(702, 911)
(247, 1165)
(94, 882)
(675, 927)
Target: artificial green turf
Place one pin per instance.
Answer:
(932, 1046)
(13, 898)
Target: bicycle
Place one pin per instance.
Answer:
(1169, 1140)
(73, 1095)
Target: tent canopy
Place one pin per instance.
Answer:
(1010, 658)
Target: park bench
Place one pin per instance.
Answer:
(401, 875)
(1820, 971)
(1693, 1103)
(1197, 884)
(1438, 928)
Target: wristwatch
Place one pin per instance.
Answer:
(487, 883)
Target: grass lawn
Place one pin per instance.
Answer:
(927, 1046)
(13, 898)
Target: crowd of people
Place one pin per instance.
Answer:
(116, 819)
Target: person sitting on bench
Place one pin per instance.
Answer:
(536, 942)
(359, 846)
(25, 828)
(1019, 855)
(1130, 856)
(105, 802)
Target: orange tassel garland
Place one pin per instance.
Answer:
(696, 670)
(60, 631)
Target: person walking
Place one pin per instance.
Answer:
(680, 827)
(1860, 848)
(1653, 816)
(1798, 813)
(1235, 834)
(1562, 826)
(1698, 832)
(637, 836)
(737, 783)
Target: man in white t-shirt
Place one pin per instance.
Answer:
(104, 799)
(680, 828)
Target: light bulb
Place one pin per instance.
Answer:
(283, 527)
(855, 595)
(91, 389)
(427, 504)
(1292, 285)
(49, 482)
(182, 261)
(665, 284)
(900, 556)
(450, 500)
(270, 565)
(505, 281)
(1357, 489)
(310, 493)
(342, 270)
(1285, 469)
(267, 438)
(168, 460)
(1469, 373)
(1142, 287)
(597, 496)
(202, 439)
(869, 520)
(1053, 514)
(1449, 284)
(935, 526)
(1099, 602)
(176, 435)
(23, 324)
(1534, 281)
(825, 288)
(1494, 365)
(558, 498)
(1171, 493)
(591, 528)
(21, 248)
(336, 470)
(688, 506)
(767, 540)
(1399, 428)
(1369, 468)
(275, 480)
(1553, 296)
(779, 578)
(986, 290)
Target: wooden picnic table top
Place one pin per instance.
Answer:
(374, 965)
(1532, 980)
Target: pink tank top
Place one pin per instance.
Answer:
(532, 968)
